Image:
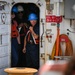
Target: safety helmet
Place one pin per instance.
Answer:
(32, 16)
(20, 8)
(14, 9)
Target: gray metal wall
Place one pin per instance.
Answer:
(69, 12)
(4, 38)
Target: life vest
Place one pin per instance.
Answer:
(37, 41)
(31, 39)
(14, 32)
(68, 50)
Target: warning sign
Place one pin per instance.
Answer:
(53, 18)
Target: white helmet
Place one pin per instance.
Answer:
(20, 8)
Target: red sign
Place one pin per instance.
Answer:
(53, 18)
(58, 19)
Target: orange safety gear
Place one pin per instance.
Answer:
(14, 31)
(69, 47)
(36, 41)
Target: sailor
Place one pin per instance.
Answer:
(31, 42)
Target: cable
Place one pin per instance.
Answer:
(42, 34)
